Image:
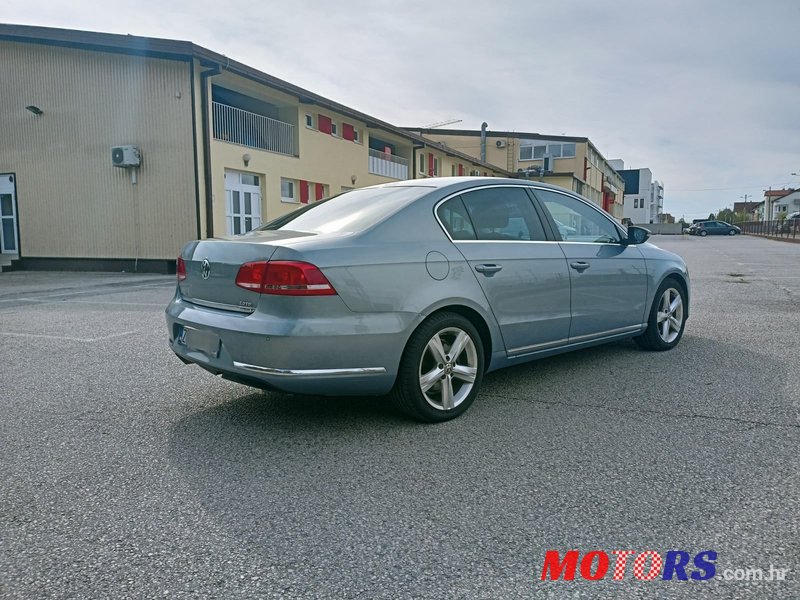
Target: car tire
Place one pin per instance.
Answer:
(667, 319)
(704, 233)
(732, 232)
(433, 385)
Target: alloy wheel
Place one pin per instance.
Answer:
(448, 368)
(670, 315)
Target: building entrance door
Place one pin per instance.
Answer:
(242, 201)
(9, 241)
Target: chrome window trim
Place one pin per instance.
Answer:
(221, 305)
(588, 203)
(593, 243)
(310, 372)
(475, 189)
(504, 241)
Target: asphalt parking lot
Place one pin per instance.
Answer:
(126, 474)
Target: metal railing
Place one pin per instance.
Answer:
(245, 128)
(387, 165)
(780, 228)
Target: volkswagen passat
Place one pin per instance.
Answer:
(419, 288)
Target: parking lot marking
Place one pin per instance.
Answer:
(64, 297)
(158, 304)
(66, 337)
(97, 292)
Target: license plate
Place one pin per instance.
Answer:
(206, 342)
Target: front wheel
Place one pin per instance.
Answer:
(732, 232)
(703, 233)
(666, 322)
(441, 369)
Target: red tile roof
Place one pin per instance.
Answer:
(772, 193)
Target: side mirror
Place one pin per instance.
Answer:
(637, 235)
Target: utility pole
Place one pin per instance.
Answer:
(746, 204)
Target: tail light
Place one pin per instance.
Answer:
(180, 269)
(285, 278)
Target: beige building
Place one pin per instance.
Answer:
(573, 163)
(204, 146)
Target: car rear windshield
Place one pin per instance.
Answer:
(350, 212)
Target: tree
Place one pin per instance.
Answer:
(711, 217)
(727, 215)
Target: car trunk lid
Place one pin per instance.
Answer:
(212, 266)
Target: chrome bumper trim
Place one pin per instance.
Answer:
(310, 372)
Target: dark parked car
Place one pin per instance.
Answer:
(713, 228)
(790, 223)
(420, 289)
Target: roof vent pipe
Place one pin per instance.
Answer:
(484, 125)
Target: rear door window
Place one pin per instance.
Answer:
(455, 219)
(503, 214)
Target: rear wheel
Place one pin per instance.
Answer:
(666, 322)
(441, 369)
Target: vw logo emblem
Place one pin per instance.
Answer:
(205, 268)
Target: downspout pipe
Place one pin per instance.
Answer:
(484, 125)
(205, 107)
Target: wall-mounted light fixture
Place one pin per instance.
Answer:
(246, 159)
(353, 179)
(35, 110)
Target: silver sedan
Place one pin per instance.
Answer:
(419, 288)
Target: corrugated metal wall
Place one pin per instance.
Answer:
(71, 201)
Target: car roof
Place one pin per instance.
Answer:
(443, 183)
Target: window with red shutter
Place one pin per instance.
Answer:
(320, 191)
(430, 165)
(348, 132)
(324, 124)
(303, 191)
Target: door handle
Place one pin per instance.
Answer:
(579, 266)
(488, 270)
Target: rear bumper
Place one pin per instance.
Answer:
(344, 353)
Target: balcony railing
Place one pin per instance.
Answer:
(387, 165)
(242, 127)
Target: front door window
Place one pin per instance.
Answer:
(578, 222)
(243, 201)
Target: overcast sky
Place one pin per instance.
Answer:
(704, 93)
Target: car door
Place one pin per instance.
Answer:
(608, 278)
(524, 276)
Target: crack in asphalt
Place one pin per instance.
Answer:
(755, 424)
